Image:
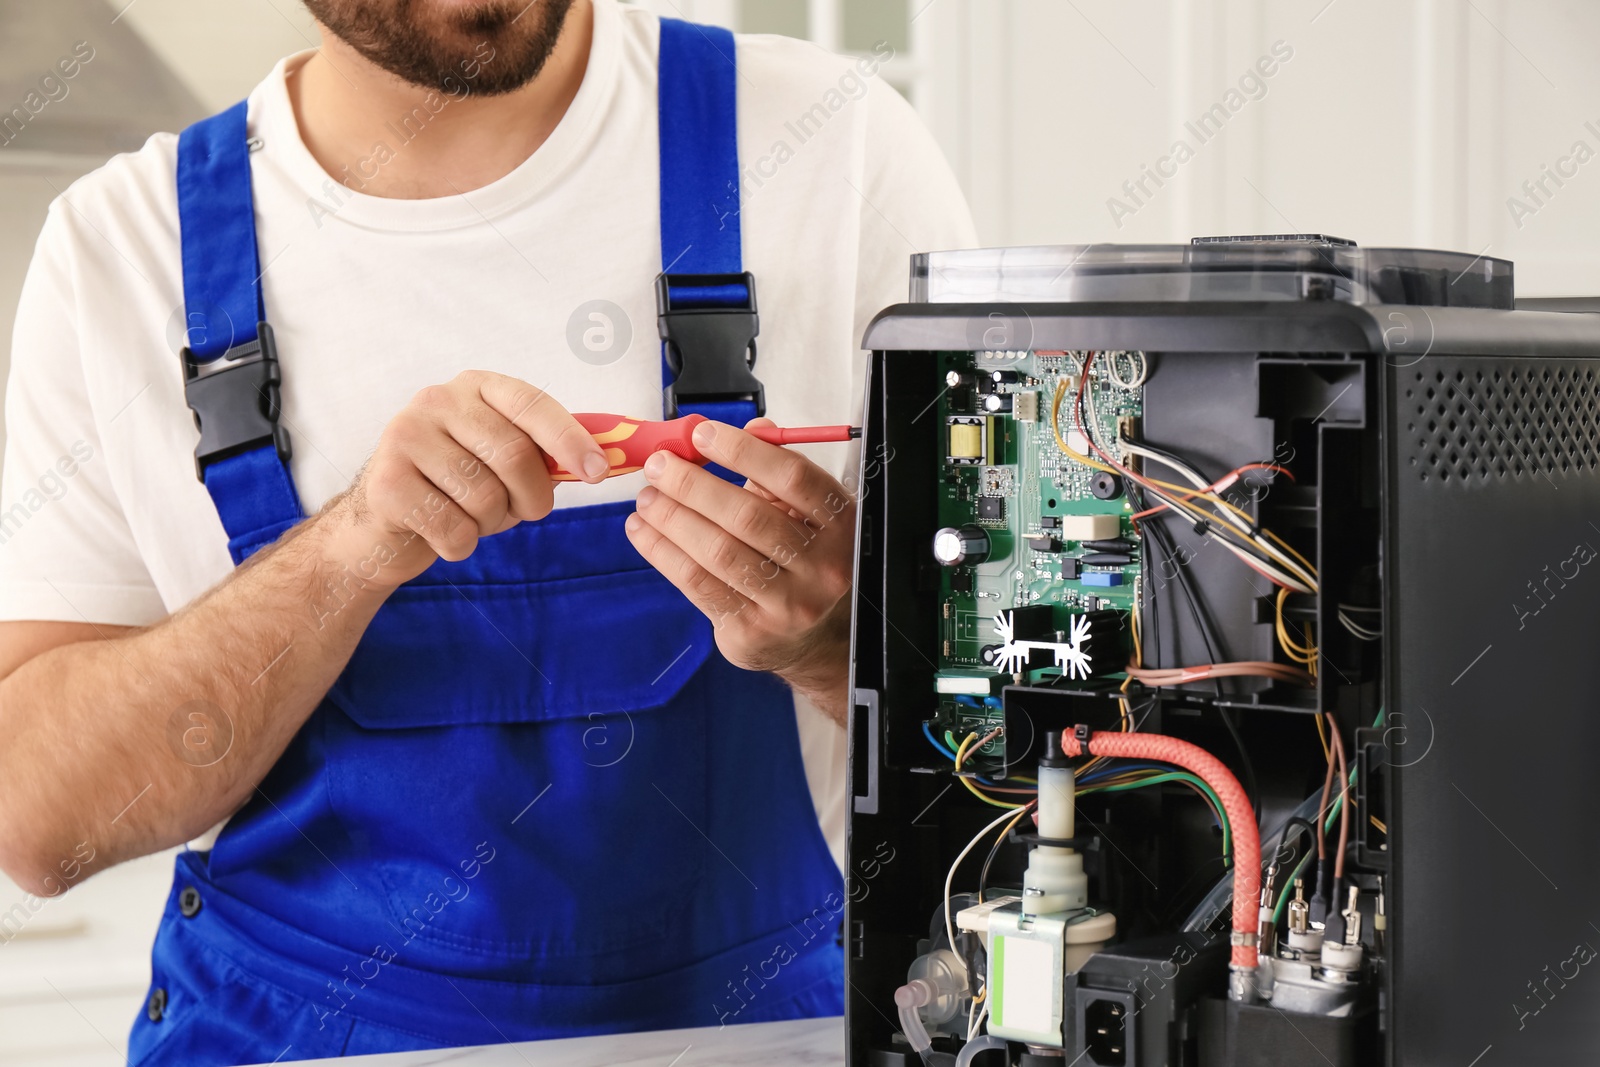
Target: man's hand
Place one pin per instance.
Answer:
(770, 563)
(462, 461)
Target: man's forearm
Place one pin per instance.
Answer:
(128, 745)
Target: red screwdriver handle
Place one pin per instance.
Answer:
(629, 442)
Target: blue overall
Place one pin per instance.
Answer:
(538, 802)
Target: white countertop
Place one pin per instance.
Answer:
(803, 1041)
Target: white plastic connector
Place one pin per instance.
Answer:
(1090, 527)
(1055, 880)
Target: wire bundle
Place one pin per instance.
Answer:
(1201, 502)
(1213, 516)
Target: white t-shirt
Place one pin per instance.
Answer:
(101, 516)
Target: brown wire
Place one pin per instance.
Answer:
(1344, 793)
(1322, 806)
(1165, 676)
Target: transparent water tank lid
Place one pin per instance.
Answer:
(1259, 267)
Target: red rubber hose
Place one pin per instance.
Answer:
(1235, 802)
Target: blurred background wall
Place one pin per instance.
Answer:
(1403, 122)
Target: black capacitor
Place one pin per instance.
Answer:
(997, 403)
(1108, 559)
(1112, 544)
(1005, 377)
(957, 545)
(957, 379)
(1105, 485)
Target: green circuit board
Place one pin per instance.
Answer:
(1021, 465)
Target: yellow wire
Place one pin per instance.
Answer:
(1188, 491)
(1306, 654)
(1289, 549)
(1187, 506)
(1297, 652)
(1379, 824)
(1322, 735)
(961, 754)
(1061, 442)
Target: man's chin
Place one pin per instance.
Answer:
(499, 45)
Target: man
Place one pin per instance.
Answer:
(494, 757)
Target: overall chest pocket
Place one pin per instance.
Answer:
(519, 750)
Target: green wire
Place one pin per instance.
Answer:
(1174, 776)
(1327, 827)
(1283, 897)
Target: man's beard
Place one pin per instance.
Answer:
(492, 47)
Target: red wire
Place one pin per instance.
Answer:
(1241, 817)
(1213, 487)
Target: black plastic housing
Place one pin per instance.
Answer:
(1455, 462)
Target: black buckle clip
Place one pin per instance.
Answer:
(236, 407)
(711, 350)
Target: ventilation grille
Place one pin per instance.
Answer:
(1483, 422)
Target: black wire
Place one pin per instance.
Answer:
(1202, 622)
(1207, 634)
(1137, 499)
(994, 850)
(1283, 837)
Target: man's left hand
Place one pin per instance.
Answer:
(769, 563)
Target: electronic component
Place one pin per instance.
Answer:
(1128, 586)
(1050, 931)
(968, 439)
(1105, 485)
(1090, 645)
(954, 546)
(1111, 544)
(965, 683)
(1098, 527)
(997, 481)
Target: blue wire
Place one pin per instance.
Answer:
(927, 732)
(944, 749)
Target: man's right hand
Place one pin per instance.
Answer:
(462, 461)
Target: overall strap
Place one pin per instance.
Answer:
(243, 453)
(705, 300)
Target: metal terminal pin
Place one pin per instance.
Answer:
(1299, 910)
(1352, 918)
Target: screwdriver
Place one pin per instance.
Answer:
(629, 442)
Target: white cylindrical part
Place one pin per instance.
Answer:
(1058, 798)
